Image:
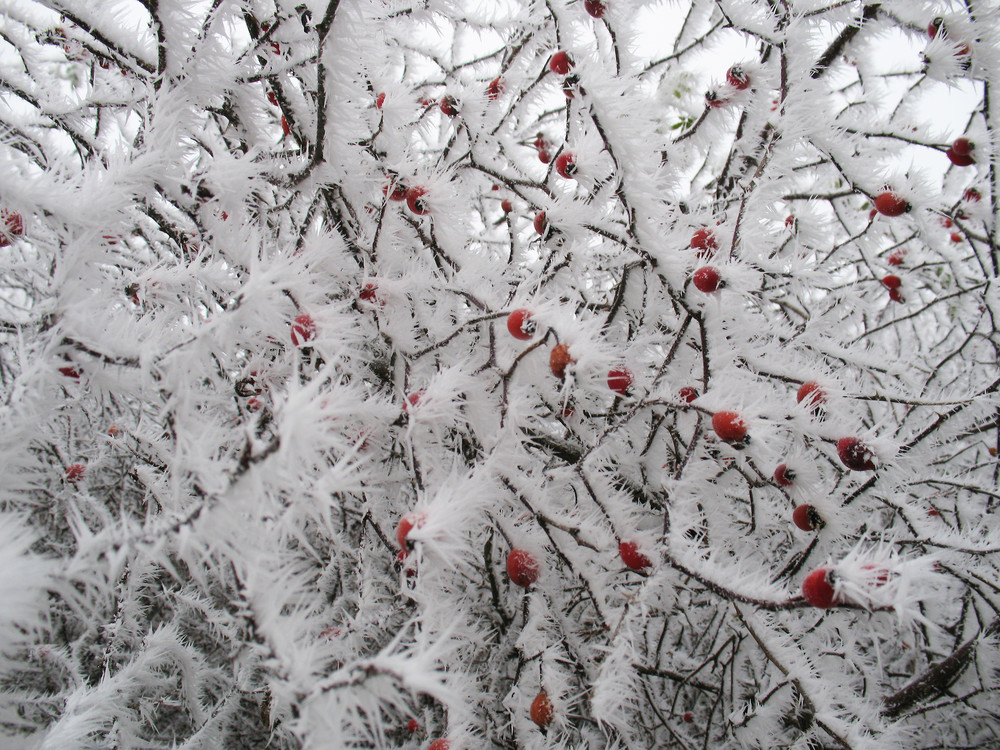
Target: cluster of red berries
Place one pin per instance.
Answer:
(396, 190)
(730, 427)
(522, 327)
(893, 283)
(449, 105)
(561, 64)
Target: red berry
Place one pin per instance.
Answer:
(522, 567)
(934, 26)
(559, 359)
(412, 401)
(704, 241)
(285, 128)
(440, 745)
(707, 279)
(379, 101)
(784, 476)
(395, 190)
(811, 393)
(303, 329)
(687, 394)
(401, 558)
(945, 222)
(75, 472)
(506, 206)
(712, 99)
(688, 717)
(544, 156)
(790, 223)
(367, 293)
(855, 455)
(632, 557)
(541, 223)
(963, 146)
(896, 296)
(891, 282)
(738, 79)
(520, 324)
(972, 195)
(13, 226)
(566, 165)
(560, 63)
(70, 372)
(872, 214)
(818, 590)
(273, 98)
(807, 518)
(956, 237)
(960, 160)
(413, 726)
(594, 7)
(877, 577)
(619, 380)
(541, 710)
(407, 523)
(449, 105)
(896, 258)
(891, 204)
(254, 404)
(416, 202)
(494, 89)
(729, 426)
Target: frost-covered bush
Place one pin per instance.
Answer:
(374, 376)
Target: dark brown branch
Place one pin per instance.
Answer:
(844, 38)
(936, 679)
